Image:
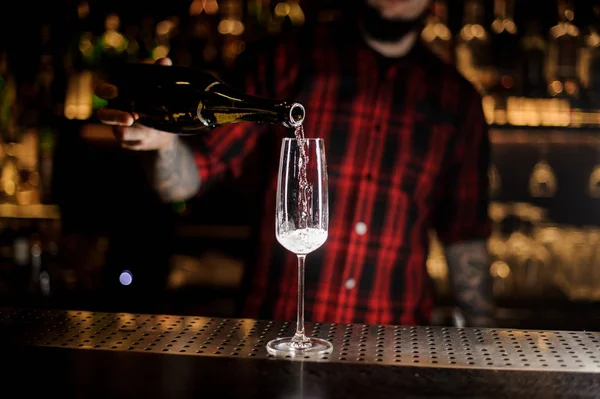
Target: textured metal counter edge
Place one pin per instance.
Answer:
(416, 346)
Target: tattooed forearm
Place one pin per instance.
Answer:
(173, 172)
(468, 266)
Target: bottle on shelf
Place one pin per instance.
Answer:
(164, 33)
(112, 45)
(437, 34)
(46, 84)
(563, 60)
(8, 98)
(10, 174)
(590, 59)
(6, 101)
(81, 53)
(473, 52)
(534, 49)
(184, 100)
(80, 63)
(505, 47)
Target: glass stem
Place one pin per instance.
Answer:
(299, 336)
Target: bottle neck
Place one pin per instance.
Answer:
(473, 13)
(566, 12)
(500, 9)
(503, 18)
(223, 104)
(440, 12)
(473, 28)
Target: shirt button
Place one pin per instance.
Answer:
(360, 228)
(350, 283)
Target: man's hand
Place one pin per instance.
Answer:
(172, 170)
(127, 131)
(469, 272)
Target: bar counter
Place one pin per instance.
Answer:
(81, 354)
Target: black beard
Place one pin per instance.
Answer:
(386, 30)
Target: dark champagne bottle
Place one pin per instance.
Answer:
(185, 100)
(505, 48)
(565, 43)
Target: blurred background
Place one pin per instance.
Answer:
(81, 229)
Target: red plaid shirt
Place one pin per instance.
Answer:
(407, 150)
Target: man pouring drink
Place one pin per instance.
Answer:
(407, 152)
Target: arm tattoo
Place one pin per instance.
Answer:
(173, 173)
(469, 273)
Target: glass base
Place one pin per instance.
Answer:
(296, 346)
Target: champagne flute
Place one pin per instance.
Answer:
(302, 217)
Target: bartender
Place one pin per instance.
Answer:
(407, 150)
